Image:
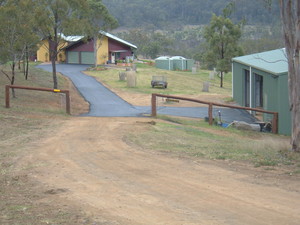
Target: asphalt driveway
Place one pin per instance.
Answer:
(105, 103)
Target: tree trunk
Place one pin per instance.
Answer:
(55, 85)
(27, 66)
(53, 49)
(26, 63)
(290, 16)
(12, 81)
(24, 60)
(221, 77)
(95, 50)
(53, 56)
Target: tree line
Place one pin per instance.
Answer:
(24, 23)
(162, 14)
(261, 30)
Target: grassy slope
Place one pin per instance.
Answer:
(197, 139)
(30, 111)
(179, 82)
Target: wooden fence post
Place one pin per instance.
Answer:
(68, 107)
(153, 105)
(6, 96)
(210, 113)
(275, 123)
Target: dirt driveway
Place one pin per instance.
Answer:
(88, 164)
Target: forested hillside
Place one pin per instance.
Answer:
(163, 13)
(175, 27)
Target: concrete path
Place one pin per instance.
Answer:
(105, 103)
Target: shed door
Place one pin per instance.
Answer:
(73, 57)
(258, 90)
(87, 58)
(247, 88)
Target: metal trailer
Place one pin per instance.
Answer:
(159, 81)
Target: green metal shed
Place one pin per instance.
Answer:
(164, 62)
(261, 80)
(174, 63)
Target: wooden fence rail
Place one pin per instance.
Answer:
(66, 92)
(210, 108)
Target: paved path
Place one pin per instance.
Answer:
(105, 103)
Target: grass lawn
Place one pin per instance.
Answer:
(179, 82)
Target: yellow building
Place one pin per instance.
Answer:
(78, 50)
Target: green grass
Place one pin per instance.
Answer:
(179, 82)
(197, 139)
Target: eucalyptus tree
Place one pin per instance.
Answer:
(16, 32)
(222, 37)
(100, 20)
(151, 44)
(290, 18)
(56, 18)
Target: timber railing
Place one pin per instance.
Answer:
(66, 92)
(210, 108)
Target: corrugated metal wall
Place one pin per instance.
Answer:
(275, 94)
(174, 64)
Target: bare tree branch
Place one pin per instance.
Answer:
(6, 75)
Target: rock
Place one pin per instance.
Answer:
(194, 70)
(131, 78)
(205, 86)
(122, 76)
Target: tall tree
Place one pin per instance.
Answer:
(100, 20)
(151, 44)
(58, 17)
(290, 16)
(16, 33)
(222, 37)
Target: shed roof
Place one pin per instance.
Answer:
(79, 38)
(170, 58)
(274, 62)
(71, 38)
(177, 57)
(163, 58)
(117, 39)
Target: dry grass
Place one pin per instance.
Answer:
(196, 138)
(261, 149)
